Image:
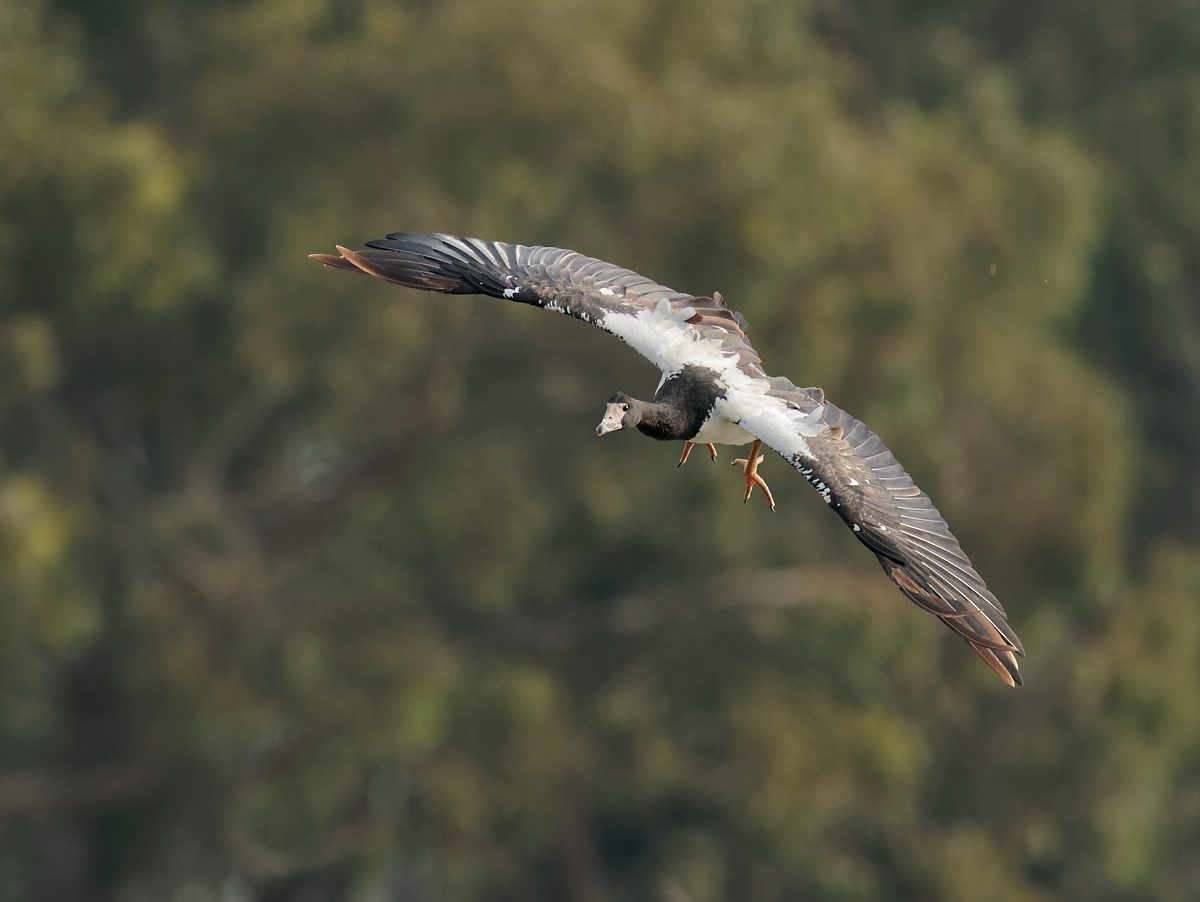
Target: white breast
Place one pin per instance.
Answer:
(720, 430)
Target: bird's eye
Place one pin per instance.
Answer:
(624, 406)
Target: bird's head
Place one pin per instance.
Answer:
(620, 411)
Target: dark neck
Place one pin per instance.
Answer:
(681, 405)
(666, 422)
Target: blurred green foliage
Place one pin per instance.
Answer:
(316, 589)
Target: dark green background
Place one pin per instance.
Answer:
(314, 588)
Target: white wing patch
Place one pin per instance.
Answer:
(663, 336)
(781, 427)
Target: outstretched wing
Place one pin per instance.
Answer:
(861, 480)
(846, 462)
(669, 328)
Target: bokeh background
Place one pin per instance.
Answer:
(313, 588)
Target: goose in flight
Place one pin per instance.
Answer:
(714, 391)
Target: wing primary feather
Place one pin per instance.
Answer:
(890, 515)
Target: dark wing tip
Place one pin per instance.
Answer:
(358, 261)
(988, 634)
(332, 262)
(1002, 661)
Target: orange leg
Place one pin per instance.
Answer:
(750, 465)
(687, 450)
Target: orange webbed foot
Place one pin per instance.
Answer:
(687, 451)
(750, 465)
